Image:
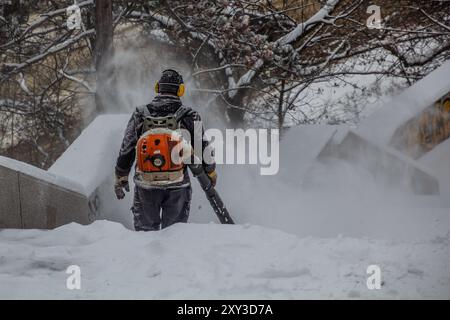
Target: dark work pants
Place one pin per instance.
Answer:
(159, 208)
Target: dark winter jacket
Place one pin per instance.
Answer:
(161, 106)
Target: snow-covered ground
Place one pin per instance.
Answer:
(213, 261)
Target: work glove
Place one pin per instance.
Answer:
(120, 184)
(213, 177)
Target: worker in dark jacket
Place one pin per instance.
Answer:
(172, 197)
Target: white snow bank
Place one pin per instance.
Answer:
(90, 158)
(40, 174)
(188, 261)
(381, 125)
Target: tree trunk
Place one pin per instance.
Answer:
(280, 105)
(236, 114)
(103, 51)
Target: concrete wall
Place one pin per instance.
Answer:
(10, 213)
(33, 199)
(69, 191)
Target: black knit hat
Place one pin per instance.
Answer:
(170, 81)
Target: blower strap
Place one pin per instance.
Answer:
(179, 114)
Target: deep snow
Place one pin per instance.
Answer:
(89, 159)
(209, 261)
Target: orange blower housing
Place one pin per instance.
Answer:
(154, 150)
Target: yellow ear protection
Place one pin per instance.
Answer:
(181, 88)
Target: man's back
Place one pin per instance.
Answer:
(161, 106)
(159, 188)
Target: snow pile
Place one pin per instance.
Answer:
(189, 261)
(89, 159)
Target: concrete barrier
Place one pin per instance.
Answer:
(10, 213)
(31, 198)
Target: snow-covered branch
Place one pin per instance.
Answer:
(43, 18)
(79, 81)
(221, 68)
(320, 17)
(16, 67)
